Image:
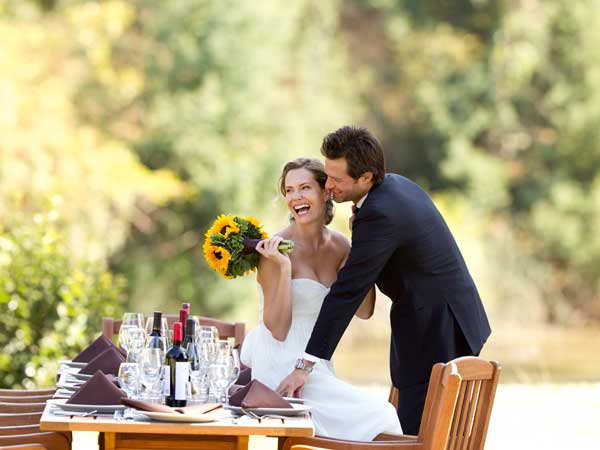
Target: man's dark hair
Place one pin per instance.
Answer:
(361, 149)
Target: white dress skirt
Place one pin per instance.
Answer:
(339, 410)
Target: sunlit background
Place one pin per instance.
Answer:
(127, 126)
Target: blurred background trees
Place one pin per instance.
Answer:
(134, 123)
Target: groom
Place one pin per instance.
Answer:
(401, 243)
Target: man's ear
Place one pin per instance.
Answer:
(366, 178)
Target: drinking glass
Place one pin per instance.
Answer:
(223, 348)
(151, 364)
(133, 319)
(135, 341)
(219, 373)
(234, 371)
(129, 378)
(164, 326)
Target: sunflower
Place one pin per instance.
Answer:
(224, 225)
(258, 226)
(217, 257)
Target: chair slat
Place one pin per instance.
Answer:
(470, 414)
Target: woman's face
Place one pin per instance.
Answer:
(305, 198)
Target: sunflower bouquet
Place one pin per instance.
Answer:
(230, 245)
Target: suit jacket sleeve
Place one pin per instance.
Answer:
(374, 240)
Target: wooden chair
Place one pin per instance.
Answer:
(26, 392)
(17, 408)
(44, 440)
(19, 429)
(236, 330)
(456, 414)
(20, 419)
(25, 399)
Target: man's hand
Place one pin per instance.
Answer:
(292, 385)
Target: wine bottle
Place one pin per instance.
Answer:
(179, 369)
(154, 337)
(183, 315)
(189, 343)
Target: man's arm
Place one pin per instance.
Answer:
(374, 240)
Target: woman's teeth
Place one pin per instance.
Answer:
(301, 210)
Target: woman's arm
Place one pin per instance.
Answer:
(274, 276)
(366, 308)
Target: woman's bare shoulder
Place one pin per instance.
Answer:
(339, 241)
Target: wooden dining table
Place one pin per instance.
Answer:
(226, 433)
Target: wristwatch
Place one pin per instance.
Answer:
(300, 365)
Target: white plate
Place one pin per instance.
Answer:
(296, 410)
(80, 376)
(69, 386)
(294, 399)
(176, 417)
(69, 363)
(60, 403)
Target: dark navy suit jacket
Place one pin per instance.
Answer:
(401, 243)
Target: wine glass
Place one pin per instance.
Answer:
(219, 373)
(234, 371)
(164, 326)
(129, 378)
(135, 338)
(151, 364)
(133, 319)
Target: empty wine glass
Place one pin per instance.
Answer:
(129, 378)
(234, 371)
(219, 373)
(151, 364)
(135, 338)
(133, 319)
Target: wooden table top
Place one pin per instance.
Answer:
(223, 427)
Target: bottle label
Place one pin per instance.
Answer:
(166, 381)
(182, 375)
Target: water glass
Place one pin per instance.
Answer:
(136, 338)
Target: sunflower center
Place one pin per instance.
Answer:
(218, 255)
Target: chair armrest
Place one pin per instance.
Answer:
(301, 443)
(394, 437)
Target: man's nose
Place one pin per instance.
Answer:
(329, 184)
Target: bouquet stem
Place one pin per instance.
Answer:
(286, 246)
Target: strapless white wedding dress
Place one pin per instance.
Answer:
(339, 410)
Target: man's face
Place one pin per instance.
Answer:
(342, 186)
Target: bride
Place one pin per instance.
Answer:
(291, 291)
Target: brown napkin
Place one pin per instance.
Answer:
(98, 390)
(256, 395)
(244, 377)
(94, 349)
(154, 407)
(108, 362)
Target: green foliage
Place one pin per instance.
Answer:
(51, 306)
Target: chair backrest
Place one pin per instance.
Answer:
(48, 440)
(19, 429)
(26, 392)
(25, 399)
(459, 404)
(236, 330)
(20, 419)
(15, 408)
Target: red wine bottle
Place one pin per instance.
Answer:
(183, 315)
(179, 369)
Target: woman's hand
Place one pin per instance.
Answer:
(269, 249)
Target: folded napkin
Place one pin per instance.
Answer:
(154, 407)
(256, 395)
(94, 349)
(244, 377)
(98, 390)
(108, 362)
